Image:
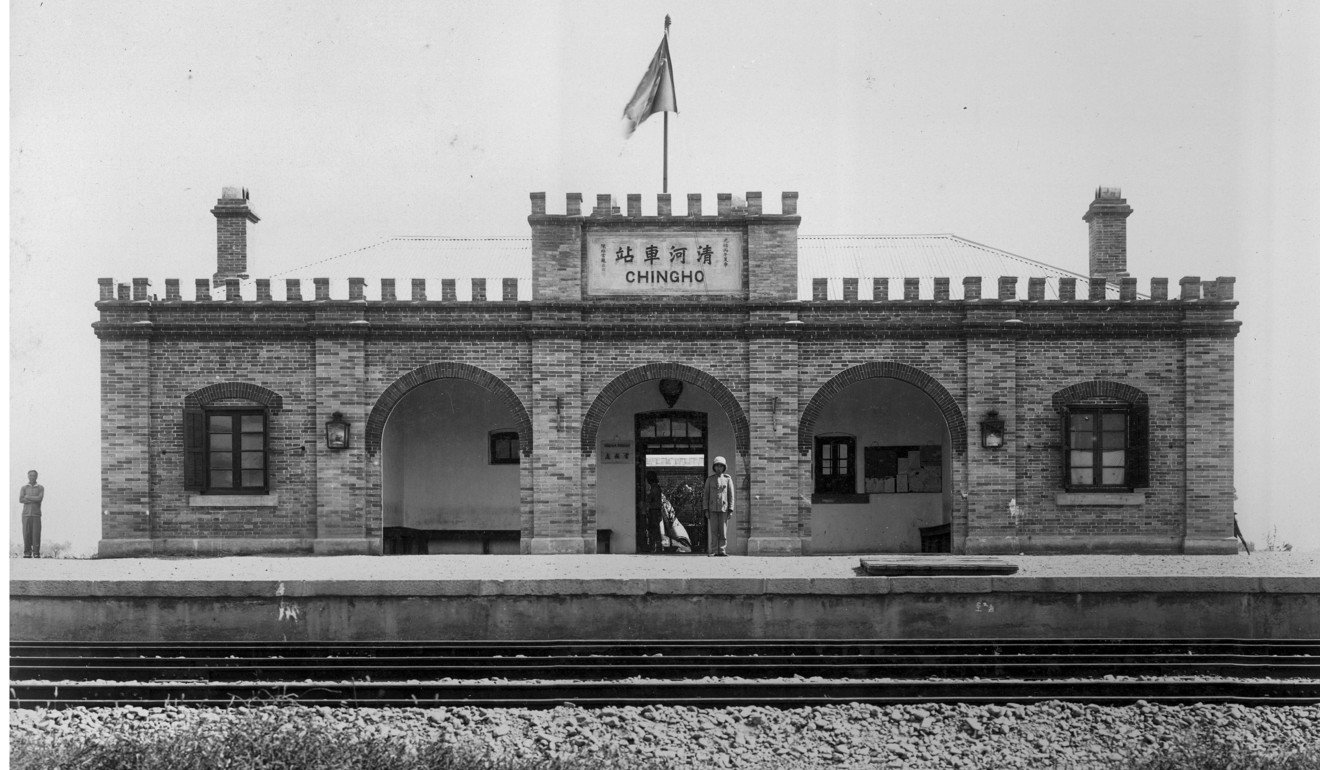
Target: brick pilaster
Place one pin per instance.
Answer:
(1209, 442)
(125, 447)
(774, 502)
(556, 465)
(991, 369)
(341, 475)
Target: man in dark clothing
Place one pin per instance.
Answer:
(1238, 534)
(31, 496)
(653, 517)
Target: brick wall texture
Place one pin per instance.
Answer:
(561, 358)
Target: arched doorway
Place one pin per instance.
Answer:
(882, 464)
(451, 451)
(632, 428)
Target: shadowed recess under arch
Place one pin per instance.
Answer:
(953, 416)
(658, 371)
(390, 398)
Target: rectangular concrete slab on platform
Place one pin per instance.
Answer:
(936, 564)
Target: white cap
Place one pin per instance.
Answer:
(719, 461)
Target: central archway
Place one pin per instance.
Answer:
(647, 433)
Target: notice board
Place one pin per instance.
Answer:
(904, 469)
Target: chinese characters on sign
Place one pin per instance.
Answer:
(665, 263)
(616, 451)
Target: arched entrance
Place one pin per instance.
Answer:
(884, 455)
(452, 442)
(632, 428)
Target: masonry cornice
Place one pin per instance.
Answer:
(543, 320)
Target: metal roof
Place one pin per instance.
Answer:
(431, 257)
(833, 257)
(926, 257)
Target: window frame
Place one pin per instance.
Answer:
(846, 482)
(1130, 450)
(515, 457)
(235, 412)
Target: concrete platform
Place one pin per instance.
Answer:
(618, 596)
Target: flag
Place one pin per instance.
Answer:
(655, 93)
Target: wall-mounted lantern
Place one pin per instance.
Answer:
(337, 433)
(992, 430)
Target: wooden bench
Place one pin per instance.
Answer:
(937, 539)
(409, 540)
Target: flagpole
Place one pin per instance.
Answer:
(664, 179)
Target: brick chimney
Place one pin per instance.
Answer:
(1107, 217)
(231, 217)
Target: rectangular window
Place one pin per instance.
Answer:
(504, 447)
(1097, 452)
(836, 464)
(236, 452)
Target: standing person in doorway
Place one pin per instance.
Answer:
(717, 498)
(30, 496)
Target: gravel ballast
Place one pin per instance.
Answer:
(853, 735)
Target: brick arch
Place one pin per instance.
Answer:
(1098, 389)
(953, 416)
(440, 371)
(605, 399)
(203, 397)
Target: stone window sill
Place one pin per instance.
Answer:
(1100, 498)
(233, 501)
(839, 498)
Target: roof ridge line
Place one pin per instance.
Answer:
(1019, 257)
(881, 235)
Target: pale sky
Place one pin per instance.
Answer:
(352, 122)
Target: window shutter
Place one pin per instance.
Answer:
(194, 449)
(1139, 445)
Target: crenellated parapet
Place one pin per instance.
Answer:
(727, 206)
(613, 251)
(1010, 288)
(294, 290)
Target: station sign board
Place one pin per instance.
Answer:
(676, 461)
(664, 263)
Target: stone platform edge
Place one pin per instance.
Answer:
(846, 586)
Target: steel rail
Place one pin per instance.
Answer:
(714, 647)
(611, 672)
(673, 668)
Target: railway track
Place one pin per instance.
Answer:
(701, 673)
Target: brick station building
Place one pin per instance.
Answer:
(868, 396)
